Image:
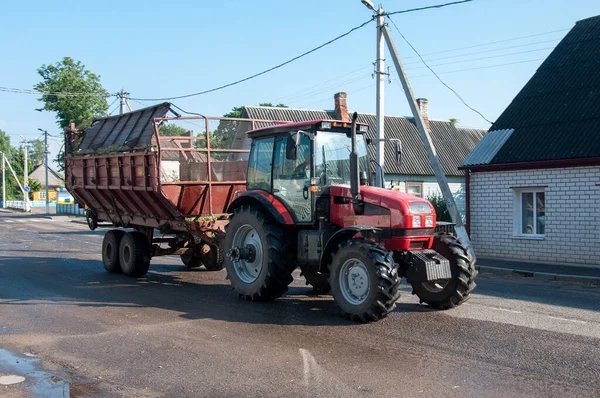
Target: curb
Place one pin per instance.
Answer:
(591, 280)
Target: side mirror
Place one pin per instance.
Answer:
(291, 146)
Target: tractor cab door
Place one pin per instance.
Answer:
(291, 178)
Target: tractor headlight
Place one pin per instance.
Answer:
(429, 221)
(416, 222)
(325, 125)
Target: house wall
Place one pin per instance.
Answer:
(572, 215)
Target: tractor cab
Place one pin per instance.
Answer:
(297, 163)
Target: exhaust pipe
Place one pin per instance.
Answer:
(354, 173)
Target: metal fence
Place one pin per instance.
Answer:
(71, 209)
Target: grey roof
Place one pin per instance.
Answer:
(556, 116)
(123, 132)
(488, 147)
(452, 144)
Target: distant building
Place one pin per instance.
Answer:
(54, 181)
(534, 179)
(415, 175)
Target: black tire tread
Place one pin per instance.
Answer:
(280, 265)
(388, 282)
(115, 236)
(213, 260)
(140, 253)
(191, 261)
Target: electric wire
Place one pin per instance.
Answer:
(57, 93)
(436, 75)
(260, 73)
(426, 7)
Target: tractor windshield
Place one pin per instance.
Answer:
(333, 157)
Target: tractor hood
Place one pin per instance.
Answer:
(386, 198)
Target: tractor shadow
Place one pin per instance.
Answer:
(192, 293)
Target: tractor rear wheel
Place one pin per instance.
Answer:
(449, 293)
(212, 257)
(191, 261)
(364, 280)
(134, 254)
(319, 282)
(110, 250)
(257, 255)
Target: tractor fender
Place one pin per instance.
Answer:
(340, 236)
(264, 200)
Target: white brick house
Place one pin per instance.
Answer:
(533, 181)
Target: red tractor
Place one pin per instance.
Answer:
(307, 204)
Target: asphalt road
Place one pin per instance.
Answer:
(68, 326)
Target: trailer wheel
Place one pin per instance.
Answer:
(110, 250)
(134, 254)
(364, 280)
(212, 257)
(257, 255)
(449, 293)
(319, 282)
(191, 261)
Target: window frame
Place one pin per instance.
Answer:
(416, 184)
(518, 212)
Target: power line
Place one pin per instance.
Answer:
(441, 81)
(259, 73)
(426, 8)
(481, 67)
(66, 94)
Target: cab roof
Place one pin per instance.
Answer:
(284, 128)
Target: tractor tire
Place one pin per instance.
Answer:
(364, 280)
(134, 254)
(212, 257)
(191, 261)
(450, 292)
(319, 282)
(110, 250)
(265, 274)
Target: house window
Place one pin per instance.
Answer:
(414, 188)
(42, 195)
(530, 214)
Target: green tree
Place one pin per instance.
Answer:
(227, 129)
(73, 92)
(36, 151)
(453, 121)
(170, 130)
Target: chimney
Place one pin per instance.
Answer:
(341, 109)
(423, 105)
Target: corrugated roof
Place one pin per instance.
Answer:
(488, 147)
(123, 132)
(452, 144)
(557, 113)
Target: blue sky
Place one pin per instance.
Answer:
(157, 49)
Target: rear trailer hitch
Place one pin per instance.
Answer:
(427, 265)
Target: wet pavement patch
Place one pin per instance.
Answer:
(17, 369)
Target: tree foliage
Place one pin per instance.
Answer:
(73, 92)
(226, 132)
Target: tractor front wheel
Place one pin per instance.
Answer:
(364, 280)
(449, 293)
(212, 257)
(257, 255)
(191, 261)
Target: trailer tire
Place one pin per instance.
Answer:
(319, 282)
(454, 291)
(212, 257)
(110, 250)
(134, 254)
(364, 280)
(268, 275)
(191, 261)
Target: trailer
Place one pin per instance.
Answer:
(173, 191)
